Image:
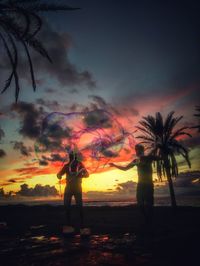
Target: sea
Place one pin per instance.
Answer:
(161, 201)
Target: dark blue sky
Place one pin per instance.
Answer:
(135, 46)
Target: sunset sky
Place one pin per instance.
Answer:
(128, 58)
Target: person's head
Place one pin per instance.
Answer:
(139, 149)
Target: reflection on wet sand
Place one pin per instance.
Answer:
(36, 240)
(74, 250)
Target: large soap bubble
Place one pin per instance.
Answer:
(96, 135)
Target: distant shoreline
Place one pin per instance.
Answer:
(188, 200)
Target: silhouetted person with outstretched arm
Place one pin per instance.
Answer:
(145, 188)
(74, 171)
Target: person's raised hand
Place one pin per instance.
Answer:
(59, 176)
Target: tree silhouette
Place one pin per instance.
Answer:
(163, 138)
(20, 23)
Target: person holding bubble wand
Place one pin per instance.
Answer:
(75, 171)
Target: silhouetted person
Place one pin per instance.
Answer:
(74, 171)
(145, 188)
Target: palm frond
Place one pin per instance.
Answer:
(20, 20)
(162, 135)
(159, 124)
(37, 46)
(168, 121)
(12, 61)
(30, 65)
(180, 132)
(146, 138)
(36, 20)
(51, 7)
(176, 120)
(145, 130)
(15, 15)
(8, 82)
(146, 123)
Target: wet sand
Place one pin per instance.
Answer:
(119, 237)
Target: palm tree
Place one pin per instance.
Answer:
(20, 23)
(198, 116)
(163, 138)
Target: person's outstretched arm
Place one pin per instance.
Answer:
(61, 172)
(125, 168)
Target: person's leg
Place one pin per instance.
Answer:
(140, 200)
(149, 202)
(67, 205)
(79, 204)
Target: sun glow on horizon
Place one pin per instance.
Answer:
(103, 181)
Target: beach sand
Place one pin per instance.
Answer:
(119, 237)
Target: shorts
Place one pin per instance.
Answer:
(71, 191)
